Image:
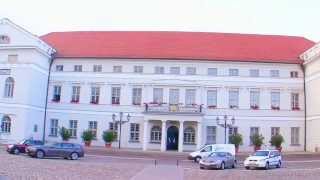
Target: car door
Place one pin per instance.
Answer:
(53, 150)
(272, 158)
(230, 159)
(66, 149)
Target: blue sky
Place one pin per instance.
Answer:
(284, 17)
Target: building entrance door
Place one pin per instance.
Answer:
(172, 138)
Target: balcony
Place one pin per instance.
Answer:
(154, 108)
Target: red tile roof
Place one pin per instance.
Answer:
(179, 45)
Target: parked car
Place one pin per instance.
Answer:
(63, 150)
(264, 159)
(218, 160)
(21, 146)
(210, 148)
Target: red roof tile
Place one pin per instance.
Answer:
(179, 45)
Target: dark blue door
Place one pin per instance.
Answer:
(172, 138)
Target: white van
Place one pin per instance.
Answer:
(208, 149)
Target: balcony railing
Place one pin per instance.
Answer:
(175, 109)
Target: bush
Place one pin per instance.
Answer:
(236, 139)
(87, 136)
(65, 134)
(108, 136)
(276, 140)
(257, 139)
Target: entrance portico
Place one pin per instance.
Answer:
(167, 133)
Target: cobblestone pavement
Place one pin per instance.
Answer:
(114, 166)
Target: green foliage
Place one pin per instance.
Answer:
(236, 139)
(108, 136)
(257, 139)
(87, 136)
(276, 140)
(65, 133)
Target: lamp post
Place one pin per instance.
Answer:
(120, 122)
(226, 124)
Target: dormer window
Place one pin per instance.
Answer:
(4, 39)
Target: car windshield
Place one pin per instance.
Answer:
(218, 154)
(22, 142)
(261, 153)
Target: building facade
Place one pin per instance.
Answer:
(173, 85)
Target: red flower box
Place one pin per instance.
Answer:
(295, 108)
(212, 107)
(275, 107)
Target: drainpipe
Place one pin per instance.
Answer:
(46, 105)
(305, 106)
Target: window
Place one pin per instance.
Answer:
(117, 69)
(189, 136)
(274, 73)
(56, 93)
(275, 131)
(233, 98)
(174, 96)
(4, 39)
(134, 132)
(114, 127)
(254, 98)
(77, 68)
(233, 72)
(158, 95)
(293, 74)
(93, 126)
(138, 69)
(54, 127)
(174, 70)
(59, 68)
(232, 131)
(295, 136)
(211, 134)
(73, 124)
(212, 98)
(97, 68)
(212, 71)
(191, 71)
(190, 96)
(295, 101)
(9, 86)
(254, 72)
(253, 131)
(155, 134)
(75, 98)
(159, 70)
(95, 94)
(115, 99)
(136, 96)
(275, 100)
(6, 124)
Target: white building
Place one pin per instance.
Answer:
(174, 85)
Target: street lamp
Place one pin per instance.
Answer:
(226, 124)
(120, 122)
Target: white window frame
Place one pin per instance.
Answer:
(233, 72)
(73, 125)
(275, 131)
(113, 126)
(158, 95)
(294, 74)
(254, 73)
(59, 68)
(155, 134)
(97, 68)
(93, 127)
(57, 93)
(9, 87)
(54, 125)
(254, 98)
(275, 100)
(138, 69)
(75, 97)
(115, 95)
(134, 132)
(274, 73)
(158, 70)
(6, 124)
(211, 135)
(295, 101)
(234, 98)
(136, 96)
(212, 72)
(117, 69)
(174, 96)
(212, 98)
(295, 135)
(189, 135)
(254, 130)
(175, 70)
(190, 97)
(77, 68)
(191, 71)
(95, 95)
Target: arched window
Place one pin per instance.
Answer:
(155, 134)
(8, 89)
(189, 135)
(6, 124)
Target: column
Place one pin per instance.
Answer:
(199, 135)
(180, 147)
(163, 136)
(145, 135)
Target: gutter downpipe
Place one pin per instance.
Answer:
(46, 105)
(305, 107)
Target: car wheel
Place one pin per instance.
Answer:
(74, 156)
(267, 166)
(279, 164)
(234, 165)
(16, 151)
(247, 167)
(197, 159)
(40, 154)
(222, 166)
(201, 167)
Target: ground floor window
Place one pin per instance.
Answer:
(93, 126)
(54, 127)
(189, 136)
(134, 132)
(114, 128)
(232, 131)
(275, 131)
(211, 134)
(253, 131)
(73, 124)
(6, 124)
(295, 135)
(155, 134)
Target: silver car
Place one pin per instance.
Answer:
(218, 160)
(64, 150)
